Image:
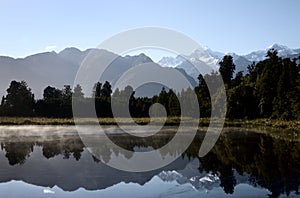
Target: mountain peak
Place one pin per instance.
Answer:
(70, 50)
(277, 46)
(283, 51)
(141, 58)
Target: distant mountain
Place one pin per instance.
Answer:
(202, 55)
(55, 69)
(203, 58)
(39, 71)
(297, 51)
(241, 63)
(171, 61)
(202, 181)
(283, 51)
(74, 55)
(206, 58)
(59, 69)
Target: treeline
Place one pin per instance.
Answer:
(269, 89)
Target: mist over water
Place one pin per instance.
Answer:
(39, 160)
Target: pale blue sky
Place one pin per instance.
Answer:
(30, 26)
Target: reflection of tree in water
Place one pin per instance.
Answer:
(51, 149)
(65, 147)
(227, 179)
(17, 152)
(277, 167)
(103, 150)
(74, 146)
(129, 142)
(272, 163)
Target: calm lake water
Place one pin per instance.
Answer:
(49, 161)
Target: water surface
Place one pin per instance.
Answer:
(52, 161)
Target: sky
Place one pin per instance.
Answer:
(33, 26)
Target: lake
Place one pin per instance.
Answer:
(52, 161)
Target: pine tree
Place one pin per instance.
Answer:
(203, 96)
(226, 69)
(19, 100)
(78, 92)
(173, 104)
(67, 92)
(282, 104)
(267, 82)
(97, 90)
(106, 90)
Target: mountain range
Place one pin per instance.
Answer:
(58, 69)
(205, 56)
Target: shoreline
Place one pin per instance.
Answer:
(171, 121)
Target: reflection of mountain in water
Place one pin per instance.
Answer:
(255, 159)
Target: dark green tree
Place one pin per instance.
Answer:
(51, 93)
(286, 87)
(103, 99)
(97, 90)
(189, 102)
(66, 101)
(173, 104)
(123, 100)
(19, 100)
(51, 104)
(241, 102)
(78, 92)
(67, 93)
(226, 69)
(203, 96)
(163, 97)
(238, 79)
(106, 90)
(266, 83)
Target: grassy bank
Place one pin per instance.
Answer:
(70, 121)
(257, 123)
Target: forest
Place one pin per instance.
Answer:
(269, 89)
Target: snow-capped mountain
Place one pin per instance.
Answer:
(206, 58)
(205, 61)
(171, 61)
(205, 182)
(205, 55)
(202, 60)
(283, 51)
(202, 54)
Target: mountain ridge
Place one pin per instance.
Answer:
(59, 68)
(206, 56)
